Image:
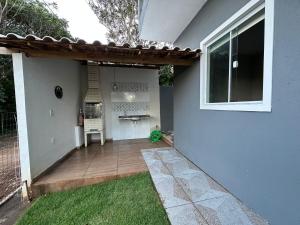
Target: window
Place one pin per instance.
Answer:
(235, 73)
(218, 69)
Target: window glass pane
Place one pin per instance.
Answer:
(218, 70)
(247, 63)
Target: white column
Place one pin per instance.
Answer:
(22, 117)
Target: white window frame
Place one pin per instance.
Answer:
(249, 10)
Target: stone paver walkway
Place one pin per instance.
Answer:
(190, 197)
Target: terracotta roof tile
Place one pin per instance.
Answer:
(81, 50)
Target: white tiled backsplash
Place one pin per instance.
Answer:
(130, 86)
(130, 98)
(130, 106)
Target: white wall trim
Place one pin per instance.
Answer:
(268, 54)
(236, 19)
(22, 117)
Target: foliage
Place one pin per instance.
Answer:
(7, 91)
(2, 94)
(31, 17)
(155, 136)
(166, 75)
(121, 19)
(25, 17)
(128, 201)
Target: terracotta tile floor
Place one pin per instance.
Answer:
(95, 164)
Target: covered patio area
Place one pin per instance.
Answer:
(68, 91)
(95, 164)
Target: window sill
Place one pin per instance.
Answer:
(237, 106)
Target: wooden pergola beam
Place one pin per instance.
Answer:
(137, 66)
(6, 51)
(107, 57)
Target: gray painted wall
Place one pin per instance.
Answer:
(166, 108)
(254, 155)
(40, 78)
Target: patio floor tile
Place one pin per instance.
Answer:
(170, 192)
(180, 165)
(190, 196)
(99, 173)
(198, 186)
(126, 170)
(96, 164)
(156, 167)
(150, 154)
(168, 156)
(226, 210)
(185, 215)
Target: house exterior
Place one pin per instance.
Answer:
(237, 110)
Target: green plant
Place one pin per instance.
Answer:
(155, 136)
(166, 75)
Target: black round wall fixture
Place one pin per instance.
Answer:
(58, 92)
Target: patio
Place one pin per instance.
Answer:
(95, 164)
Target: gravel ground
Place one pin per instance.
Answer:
(11, 210)
(9, 166)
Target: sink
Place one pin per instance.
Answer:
(134, 117)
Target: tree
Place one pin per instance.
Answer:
(7, 91)
(166, 75)
(31, 17)
(121, 19)
(25, 17)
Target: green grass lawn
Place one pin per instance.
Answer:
(128, 201)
